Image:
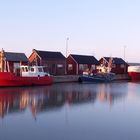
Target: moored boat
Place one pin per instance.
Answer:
(134, 72)
(100, 77)
(103, 75)
(26, 76)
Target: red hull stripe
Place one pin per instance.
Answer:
(9, 79)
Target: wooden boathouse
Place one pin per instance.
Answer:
(55, 62)
(77, 64)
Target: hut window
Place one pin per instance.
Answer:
(113, 66)
(32, 69)
(59, 65)
(122, 66)
(70, 67)
(93, 67)
(83, 66)
(16, 65)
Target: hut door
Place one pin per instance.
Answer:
(53, 69)
(16, 67)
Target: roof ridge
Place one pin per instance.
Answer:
(47, 51)
(15, 52)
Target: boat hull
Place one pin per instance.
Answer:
(8, 79)
(95, 79)
(135, 76)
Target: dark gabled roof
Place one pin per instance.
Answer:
(85, 59)
(116, 60)
(50, 55)
(11, 56)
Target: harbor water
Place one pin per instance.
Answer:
(71, 111)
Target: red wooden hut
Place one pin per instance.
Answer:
(54, 61)
(76, 64)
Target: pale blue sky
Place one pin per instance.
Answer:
(94, 27)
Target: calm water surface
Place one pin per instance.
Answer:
(71, 111)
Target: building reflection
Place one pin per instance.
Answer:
(9, 102)
(42, 99)
(110, 93)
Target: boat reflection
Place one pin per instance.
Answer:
(42, 99)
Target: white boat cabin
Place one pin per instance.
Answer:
(33, 71)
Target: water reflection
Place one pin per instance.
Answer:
(42, 99)
(111, 92)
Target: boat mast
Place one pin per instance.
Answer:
(110, 65)
(2, 61)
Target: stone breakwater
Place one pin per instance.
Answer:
(74, 78)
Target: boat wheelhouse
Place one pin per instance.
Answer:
(33, 71)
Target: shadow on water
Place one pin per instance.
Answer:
(48, 98)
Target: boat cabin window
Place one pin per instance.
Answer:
(26, 69)
(45, 69)
(32, 69)
(40, 70)
(22, 69)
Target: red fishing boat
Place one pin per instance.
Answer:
(134, 72)
(26, 76)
